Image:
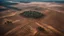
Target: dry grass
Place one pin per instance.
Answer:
(53, 24)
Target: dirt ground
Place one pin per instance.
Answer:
(52, 23)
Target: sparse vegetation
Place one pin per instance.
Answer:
(32, 14)
(8, 23)
(41, 29)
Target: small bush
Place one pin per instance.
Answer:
(9, 23)
(32, 14)
(41, 29)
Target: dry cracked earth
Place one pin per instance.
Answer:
(52, 24)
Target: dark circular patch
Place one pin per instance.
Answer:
(32, 14)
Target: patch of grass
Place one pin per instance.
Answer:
(32, 14)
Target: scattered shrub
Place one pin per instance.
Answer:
(41, 29)
(9, 23)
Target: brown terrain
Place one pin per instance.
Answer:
(52, 24)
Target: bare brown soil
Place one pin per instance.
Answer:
(53, 23)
